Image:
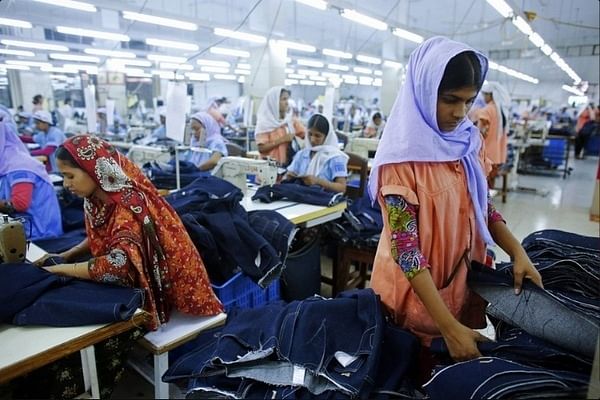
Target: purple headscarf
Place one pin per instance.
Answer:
(14, 156)
(412, 132)
(212, 129)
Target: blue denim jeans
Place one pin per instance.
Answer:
(292, 191)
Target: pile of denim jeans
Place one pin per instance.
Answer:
(295, 190)
(545, 338)
(163, 176)
(324, 348)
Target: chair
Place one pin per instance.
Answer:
(359, 165)
(345, 277)
(235, 150)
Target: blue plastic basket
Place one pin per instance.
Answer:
(241, 292)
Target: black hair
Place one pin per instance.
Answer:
(463, 70)
(284, 90)
(320, 123)
(37, 99)
(376, 115)
(63, 154)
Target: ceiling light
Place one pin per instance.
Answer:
(362, 70)
(365, 81)
(241, 79)
(368, 59)
(75, 5)
(34, 45)
(522, 25)
(338, 67)
(573, 90)
(90, 69)
(183, 67)
(392, 64)
(295, 46)
(321, 83)
(171, 59)
(336, 53)
(290, 82)
(151, 19)
(319, 4)
(377, 73)
(363, 19)
(377, 82)
(218, 70)
(126, 61)
(119, 37)
(136, 74)
(127, 71)
(61, 70)
(226, 77)
(308, 72)
(297, 76)
(73, 57)
(109, 53)
(230, 52)
(14, 66)
(38, 64)
(536, 39)
(310, 63)
(317, 78)
(555, 57)
(17, 23)
(502, 7)
(289, 70)
(330, 75)
(242, 72)
(166, 74)
(249, 37)
(404, 34)
(172, 44)
(243, 66)
(213, 63)
(22, 53)
(197, 76)
(306, 82)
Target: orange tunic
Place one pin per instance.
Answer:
(496, 143)
(447, 231)
(278, 153)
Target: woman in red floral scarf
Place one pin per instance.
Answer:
(135, 237)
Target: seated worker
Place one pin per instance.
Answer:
(375, 126)
(161, 131)
(134, 236)
(102, 124)
(48, 137)
(206, 134)
(321, 162)
(23, 127)
(25, 188)
(274, 132)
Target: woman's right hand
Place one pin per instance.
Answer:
(462, 342)
(41, 261)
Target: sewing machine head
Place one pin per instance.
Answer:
(12, 240)
(236, 169)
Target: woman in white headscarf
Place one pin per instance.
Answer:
(321, 162)
(274, 130)
(375, 126)
(492, 121)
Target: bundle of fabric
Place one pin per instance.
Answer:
(295, 190)
(164, 176)
(331, 348)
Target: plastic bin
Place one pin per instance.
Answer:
(241, 292)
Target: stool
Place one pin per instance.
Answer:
(343, 276)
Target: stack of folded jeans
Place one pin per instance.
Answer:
(330, 348)
(295, 190)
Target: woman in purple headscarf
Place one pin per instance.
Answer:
(428, 176)
(207, 143)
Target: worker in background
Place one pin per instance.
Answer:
(102, 124)
(208, 146)
(161, 131)
(375, 126)
(48, 137)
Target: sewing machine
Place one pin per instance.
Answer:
(12, 240)
(235, 169)
(363, 147)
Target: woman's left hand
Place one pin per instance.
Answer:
(523, 268)
(310, 180)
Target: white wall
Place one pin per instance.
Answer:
(32, 83)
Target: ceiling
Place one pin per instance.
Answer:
(570, 27)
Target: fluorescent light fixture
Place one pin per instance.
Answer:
(363, 19)
(308, 72)
(197, 76)
(22, 53)
(547, 50)
(127, 71)
(172, 44)
(166, 74)
(336, 53)
(368, 59)
(67, 30)
(513, 73)
(151, 19)
(306, 82)
(162, 58)
(90, 69)
(109, 53)
(289, 70)
(127, 61)
(218, 70)
(310, 63)
(213, 63)
(290, 82)
(492, 65)
(17, 23)
(34, 45)
(226, 77)
(319, 4)
(350, 77)
(183, 67)
(321, 83)
(573, 90)
(75, 5)
(137, 74)
(522, 25)
(248, 37)
(60, 70)
(295, 46)
(555, 57)
(502, 7)
(73, 57)
(230, 52)
(38, 64)
(241, 79)
(297, 76)
(14, 66)
(338, 67)
(242, 72)
(377, 73)
(404, 34)
(317, 78)
(365, 81)
(392, 64)
(362, 70)
(536, 39)
(243, 66)
(330, 75)
(377, 82)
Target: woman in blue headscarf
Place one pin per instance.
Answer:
(428, 176)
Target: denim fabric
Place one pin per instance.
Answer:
(534, 310)
(163, 176)
(275, 228)
(294, 191)
(33, 296)
(71, 208)
(62, 243)
(561, 238)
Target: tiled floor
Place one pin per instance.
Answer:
(566, 207)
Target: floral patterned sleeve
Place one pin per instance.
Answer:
(493, 214)
(402, 218)
(116, 267)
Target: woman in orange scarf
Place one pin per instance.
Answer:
(134, 236)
